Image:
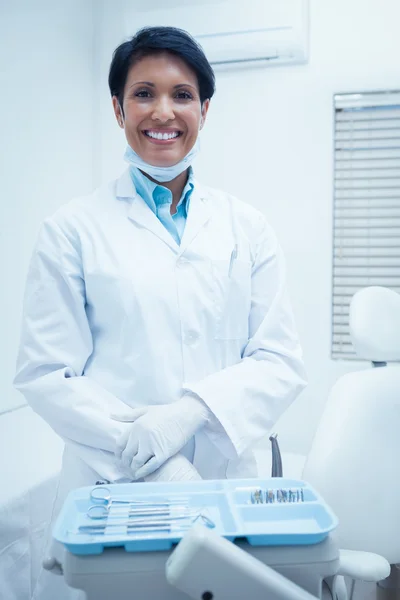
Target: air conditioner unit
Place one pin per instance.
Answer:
(233, 32)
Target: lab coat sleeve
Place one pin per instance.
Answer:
(55, 344)
(247, 398)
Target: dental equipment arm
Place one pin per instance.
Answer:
(206, 566)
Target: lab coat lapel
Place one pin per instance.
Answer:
(198, 214)
(140, 213)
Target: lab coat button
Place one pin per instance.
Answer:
(191, 337)
(182, 263)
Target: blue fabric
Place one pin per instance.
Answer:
(162, 174)
(159, 199)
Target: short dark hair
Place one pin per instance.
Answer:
(156, 40)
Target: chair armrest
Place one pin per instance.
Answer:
(365, 566)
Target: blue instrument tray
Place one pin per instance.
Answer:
(226, 502)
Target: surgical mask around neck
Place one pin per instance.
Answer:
(162, 174)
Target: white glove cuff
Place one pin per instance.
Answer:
(196, 409)
(176, 468)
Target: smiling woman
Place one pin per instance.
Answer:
(161, 92)
(162, 115)
(157, 339)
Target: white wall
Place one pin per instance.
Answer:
(282, 161)
(46, 140)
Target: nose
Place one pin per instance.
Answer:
(163, 110)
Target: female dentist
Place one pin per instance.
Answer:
(158, 339)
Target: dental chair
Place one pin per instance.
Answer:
(354, 461)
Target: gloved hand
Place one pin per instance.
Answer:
(176, 468)
(158, 432)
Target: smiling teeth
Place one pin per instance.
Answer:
(162, 136)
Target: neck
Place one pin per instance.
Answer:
(176, 186)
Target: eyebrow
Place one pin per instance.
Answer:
(149, 83)
(143, 83)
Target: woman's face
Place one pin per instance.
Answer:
(161, 100)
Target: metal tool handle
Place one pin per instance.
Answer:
(277, 470)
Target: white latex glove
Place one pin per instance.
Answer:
(176, 468)
(158, 432)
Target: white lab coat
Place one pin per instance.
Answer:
(117, 314)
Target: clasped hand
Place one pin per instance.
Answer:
(157, 433)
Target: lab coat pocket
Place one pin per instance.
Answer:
(233, 298)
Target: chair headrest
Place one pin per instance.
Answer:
(375, 324)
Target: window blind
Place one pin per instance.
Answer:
(366, 232)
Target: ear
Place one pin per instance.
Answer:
(204, 110)
(118, 112)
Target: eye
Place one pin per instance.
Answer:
(184, 95)
(143, 94)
